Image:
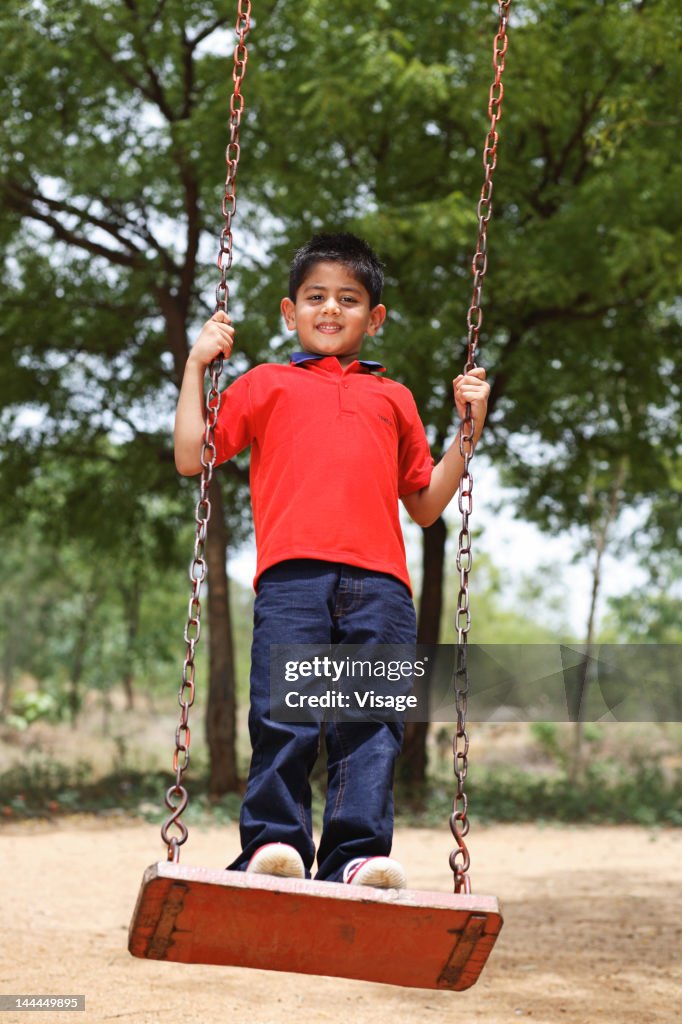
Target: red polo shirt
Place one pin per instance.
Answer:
(332, 450)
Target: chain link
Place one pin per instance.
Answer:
(177, 797)
(233, 152)
(460, 860)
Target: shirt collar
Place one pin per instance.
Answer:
(306, 357)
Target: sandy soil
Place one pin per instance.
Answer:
(593, 922)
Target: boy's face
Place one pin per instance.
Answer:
(332, 312)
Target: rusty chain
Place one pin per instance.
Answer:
(176, 796)
(460, 860)
(233, 152)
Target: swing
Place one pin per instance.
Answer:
(399, 937)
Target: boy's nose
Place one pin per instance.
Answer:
(330, 305)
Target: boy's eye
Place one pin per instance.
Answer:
(347, 300)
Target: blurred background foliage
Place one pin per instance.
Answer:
(368, 119)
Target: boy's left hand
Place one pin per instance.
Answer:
(472, 387)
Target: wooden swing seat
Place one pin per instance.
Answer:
(398, 937)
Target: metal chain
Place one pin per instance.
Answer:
(460, 860)
(233, 152)
(177, 797)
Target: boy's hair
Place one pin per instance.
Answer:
(341, 247)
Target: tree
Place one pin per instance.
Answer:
(391, 117)
(91, 555)
(370, 121)
(103, 187)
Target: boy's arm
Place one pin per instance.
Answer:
(426, 505)
(216, 338)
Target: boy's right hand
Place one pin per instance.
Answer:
(216, 338)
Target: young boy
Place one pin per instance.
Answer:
(334, 445)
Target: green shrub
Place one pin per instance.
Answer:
(642, 795)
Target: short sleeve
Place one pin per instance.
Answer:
(235, 424)
(415, 463)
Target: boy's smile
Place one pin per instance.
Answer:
(332, 312)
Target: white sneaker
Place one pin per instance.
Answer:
(381, 872)
(277, 859)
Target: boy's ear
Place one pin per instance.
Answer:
(377, 315)
(289, 313)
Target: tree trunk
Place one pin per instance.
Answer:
(600, 535)
(91, 602)
(7, 682)
(131, 605)
(221, 705)
(414, 756)
(8, 662)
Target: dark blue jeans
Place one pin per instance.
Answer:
(308, 602)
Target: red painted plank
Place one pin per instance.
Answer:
(399, 937)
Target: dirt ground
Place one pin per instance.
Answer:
(593, 922)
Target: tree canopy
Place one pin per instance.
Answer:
(368, 119)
